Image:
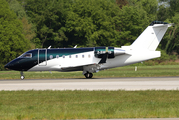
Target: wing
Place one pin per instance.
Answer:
(90, 67)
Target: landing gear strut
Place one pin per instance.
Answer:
(88, 75)
(22, 75)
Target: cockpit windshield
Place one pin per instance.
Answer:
(26, 55)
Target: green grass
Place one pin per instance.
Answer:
(91, 104)
(127, 71)
(88, 104)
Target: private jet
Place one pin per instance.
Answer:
(92, 59)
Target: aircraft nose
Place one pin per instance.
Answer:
(15, 64)
(8, 66)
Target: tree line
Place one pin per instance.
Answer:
(29, 24)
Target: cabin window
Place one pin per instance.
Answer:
(63, 56)
(89, 56)
(76, 56)
(69, 56)
(27, 55)
(51, 56)
(83, 56)
(57, 56)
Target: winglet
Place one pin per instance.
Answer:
(104, 58)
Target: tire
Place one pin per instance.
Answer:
(88, 75)
(22, 77)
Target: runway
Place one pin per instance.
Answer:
(129, 84)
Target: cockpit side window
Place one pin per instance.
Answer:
(27, 55)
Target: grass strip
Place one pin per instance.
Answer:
(88, 104)
(127, 71)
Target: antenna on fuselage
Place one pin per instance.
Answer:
(75, 46)
(49, 47)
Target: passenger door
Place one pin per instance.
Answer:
(42, 57)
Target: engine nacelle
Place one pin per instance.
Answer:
(100, 51)
(112, 52)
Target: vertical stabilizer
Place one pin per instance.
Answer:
(151, 36)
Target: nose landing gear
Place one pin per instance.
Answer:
(22, 75)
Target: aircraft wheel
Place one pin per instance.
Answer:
(22, 77)
(88, 75)
(91, 75)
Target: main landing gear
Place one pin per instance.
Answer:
(22, 75)
(88, 75)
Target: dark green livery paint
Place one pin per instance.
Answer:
(24, 64)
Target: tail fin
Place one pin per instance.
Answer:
(151, 36)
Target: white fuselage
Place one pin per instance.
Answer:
(88, 59)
